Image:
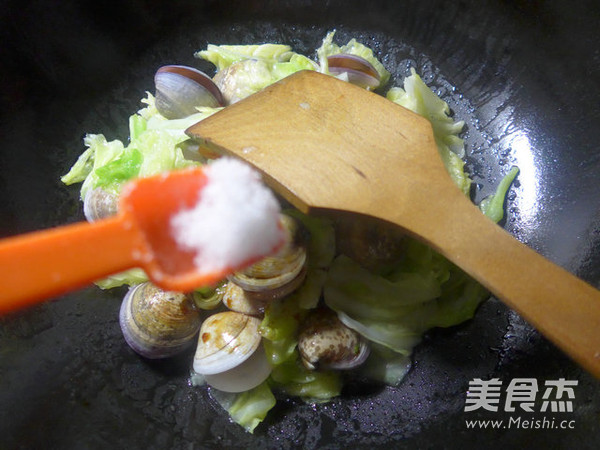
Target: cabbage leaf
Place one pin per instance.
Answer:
(385, 365)
(311, 385)
(493, 205)
(279, 328)
(248, 408)
(247, 69)
(394, 309)
(419, 98)
(129, 277)
(156, 145)
(223, 56)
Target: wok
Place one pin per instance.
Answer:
(522, 74)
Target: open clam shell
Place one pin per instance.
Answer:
(358, 70)
(180, 89)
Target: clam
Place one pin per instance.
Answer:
(278, 275)
(99, 204)
(229, 352)
(180, 89)
(359, 71)
(325, 342)
(245, 302)
(372, 243)
(156, 323)
(233, 80)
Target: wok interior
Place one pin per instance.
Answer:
(519, 73)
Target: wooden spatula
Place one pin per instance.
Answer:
(325, 144)
(42, 264)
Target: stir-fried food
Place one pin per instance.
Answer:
(341, 296)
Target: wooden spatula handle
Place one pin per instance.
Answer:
(46, 263)
(346, 149)
(559, 305)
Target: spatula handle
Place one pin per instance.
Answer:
(47, 263)
(559, 305)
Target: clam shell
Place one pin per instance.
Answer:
(180, 89)
(226, 340)
(244, 377)
(358, 358)
(254, 302)
(325, 342)
(373, 243)
(280, 269)
(157, 323)
(99, 204)
(358, 70)
(233, 80)
(236, 299)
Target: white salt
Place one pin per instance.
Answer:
(235, 220)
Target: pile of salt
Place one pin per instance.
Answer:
(236, 219)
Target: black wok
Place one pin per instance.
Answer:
(523, 74)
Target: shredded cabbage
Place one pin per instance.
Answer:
(208, 297)
(251, 68)
(311, 385)
(394, 309)
(321, 246)
(156, 145)
(130, 277)
(279, 329)
(385, 365)
(283, 318)
(493, 206)
(419, 98)
(223, 56)
(249, 408)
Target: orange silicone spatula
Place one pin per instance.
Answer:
(46, 263)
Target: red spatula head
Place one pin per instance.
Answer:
(150, 204)
(40, 265)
